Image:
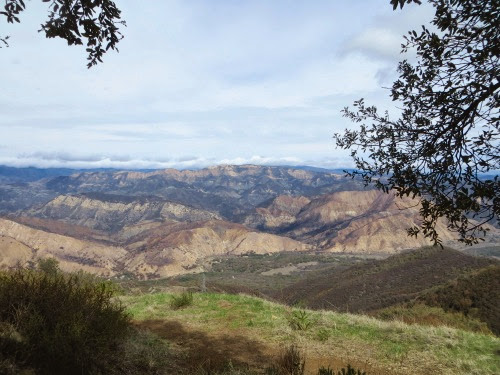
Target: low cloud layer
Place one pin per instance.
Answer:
(60, 160)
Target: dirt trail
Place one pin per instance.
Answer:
(194, 349)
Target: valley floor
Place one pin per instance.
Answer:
(217, 328)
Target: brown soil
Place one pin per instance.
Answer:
(193, 349)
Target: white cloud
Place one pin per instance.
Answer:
(382, 37)
(379, 42)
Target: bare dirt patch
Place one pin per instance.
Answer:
(287, 270)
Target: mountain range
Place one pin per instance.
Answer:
(165, 222)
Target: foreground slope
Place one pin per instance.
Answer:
(219, 327)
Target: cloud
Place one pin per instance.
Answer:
(50, 160)
(377, 42)
(62, 157)
(383, 37)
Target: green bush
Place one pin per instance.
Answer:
(322, 334)
(48, 265)
(57, 323)
(182, 300)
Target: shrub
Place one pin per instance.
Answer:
(56, 323)
(323, 334)
(326, 371)
(183, 300)
(350, 371)
(300, 320)
(290, 362)
(48, 265)
(344, 371)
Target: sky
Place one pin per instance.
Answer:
(201, 82)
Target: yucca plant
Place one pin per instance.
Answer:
(183, 300)
(300, 320)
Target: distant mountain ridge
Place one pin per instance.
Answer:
(229, 190)
(30, 174)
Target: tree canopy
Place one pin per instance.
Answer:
(93, 22)
(444, 148)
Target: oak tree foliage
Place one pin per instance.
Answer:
(444, 148)
(93, 22)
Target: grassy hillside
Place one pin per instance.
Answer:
(476, 295)
(377, 284)
(217, 328)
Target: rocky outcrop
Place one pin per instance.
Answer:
(381, 233)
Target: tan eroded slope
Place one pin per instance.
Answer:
(73, 254)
